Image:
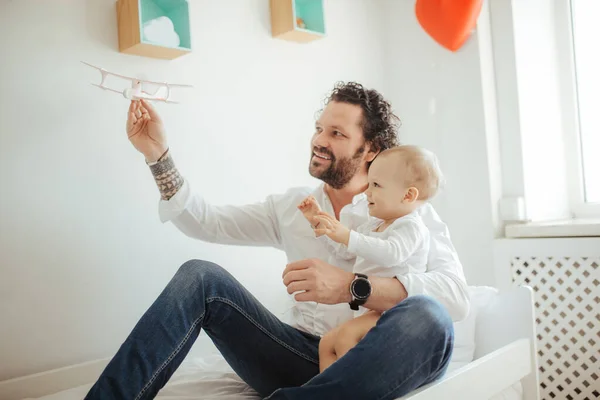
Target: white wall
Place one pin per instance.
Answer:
(440, 96)
(82, 252)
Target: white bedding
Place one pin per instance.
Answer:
(206, 378)
(211, 378)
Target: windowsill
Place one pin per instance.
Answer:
(563, 228)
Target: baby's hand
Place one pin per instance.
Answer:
(325, 224)
(309, 208)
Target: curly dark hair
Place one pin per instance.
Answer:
(380, 125)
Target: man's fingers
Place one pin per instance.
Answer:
(295, 276)
(151, 110)
(131, 121)
(298, 286)
(296, 265)
(309, 295)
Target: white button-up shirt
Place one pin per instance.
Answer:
(277, 222)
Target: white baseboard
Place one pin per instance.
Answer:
(53, 381)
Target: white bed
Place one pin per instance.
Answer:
(494, 358)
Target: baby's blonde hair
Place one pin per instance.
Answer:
(418, 167)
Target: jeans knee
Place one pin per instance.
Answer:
(425, 316)
(195, 269)
(431, 310)
(194, 274)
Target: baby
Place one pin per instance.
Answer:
(393, 242)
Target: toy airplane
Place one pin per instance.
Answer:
(136, 91)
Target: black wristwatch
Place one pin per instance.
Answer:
(360, 289)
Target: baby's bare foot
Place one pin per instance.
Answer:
(309, 208)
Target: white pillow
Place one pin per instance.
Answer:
(464, 331)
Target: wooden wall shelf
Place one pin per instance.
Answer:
(297, 20)
(154, 28)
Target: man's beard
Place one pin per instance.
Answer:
(340, 171)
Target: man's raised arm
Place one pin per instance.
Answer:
(253, 224)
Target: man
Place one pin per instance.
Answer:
(412, 342)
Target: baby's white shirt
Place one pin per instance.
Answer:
(400, 249)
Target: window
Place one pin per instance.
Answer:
(548, 107)
(586, 70)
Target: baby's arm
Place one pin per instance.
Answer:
(334, 238)
(339, 250)
(404, 239)
(402, 242)
(309, 208)
(325, 224)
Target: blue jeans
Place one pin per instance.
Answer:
(410, 346)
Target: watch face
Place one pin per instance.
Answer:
(361, 288)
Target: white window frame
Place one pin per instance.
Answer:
(569, 101)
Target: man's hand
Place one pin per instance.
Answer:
(328, 225)
(318, 281)
(145, 130)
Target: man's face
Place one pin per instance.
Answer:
(338, 148)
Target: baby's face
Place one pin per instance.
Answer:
(386, 192)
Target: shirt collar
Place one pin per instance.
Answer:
(359, 198)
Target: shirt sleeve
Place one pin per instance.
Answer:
(337, 249)
(444, 279)
(404, 239)
(249, 225)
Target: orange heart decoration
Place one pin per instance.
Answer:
(448, 22)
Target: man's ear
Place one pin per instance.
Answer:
(371, 154)
(411, 195)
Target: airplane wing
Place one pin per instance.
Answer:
(136, 79)
(164, 83)
(112, 73)
(176, 85)
(149, 97)
(107, 88)
(93, 66)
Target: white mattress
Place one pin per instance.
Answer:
(211, 378)
(196, 378)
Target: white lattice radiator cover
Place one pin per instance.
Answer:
(567, 302)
